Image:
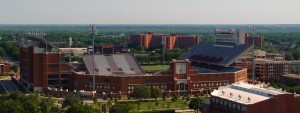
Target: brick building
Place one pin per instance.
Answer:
(268, 66)
(42, 64)
(246, 98)
(258, 40)
(267, 70)
(119, 73)
(151, 40)
(4, 67)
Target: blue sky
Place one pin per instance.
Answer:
(150, 11)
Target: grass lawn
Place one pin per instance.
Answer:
(149, 105)
(168, 104)
(154, 67)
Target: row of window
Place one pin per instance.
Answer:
(229, 104)
(197, 85)
(101, 86)
(161, 86)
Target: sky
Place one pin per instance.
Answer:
(149, 12)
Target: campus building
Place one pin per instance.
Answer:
(268, 66)
(42, 64)
(43, 67)
(120, 73)
(152, 41)
(258, 40)
(241, 97)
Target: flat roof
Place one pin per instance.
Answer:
(245, 93)
(292, 76)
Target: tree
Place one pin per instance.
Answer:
(195, 104)
(296, 55)
(141, 92)
(14, 68)
(2, 52)
(46, 105)
(81, 108)
(156, 93)
(289, 57)
(174, 98)
(71, 100)
(11, 106)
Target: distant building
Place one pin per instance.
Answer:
(151, 40)
(267, 70)
(246, 98)
(258, 40)
(4, 67)
(230, 37)
(74, 51)
(109, 49)
(268, 66)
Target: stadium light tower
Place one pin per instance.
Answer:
(253, 67)
(93, 26)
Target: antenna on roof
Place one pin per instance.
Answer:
(253, 29)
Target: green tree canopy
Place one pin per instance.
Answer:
(195, 104)
(141, 92)
(121, 108)
(156, 93)
(14, 68)
(81, 108)
(71, 100)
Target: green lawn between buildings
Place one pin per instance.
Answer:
(150, 105)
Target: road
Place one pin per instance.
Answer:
(8, 84)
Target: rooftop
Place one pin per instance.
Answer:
(245, 93)
(209, 53)
(225, 69)
(292, 76)
(116, 64)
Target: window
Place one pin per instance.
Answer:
(182, 86)
(233, 105)
(221, 101)
(64, 76)
(225, 103)
(52, 65)
(244, 108)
